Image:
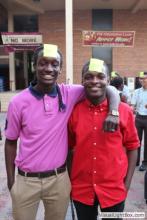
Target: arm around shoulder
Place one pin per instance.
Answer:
(113, 97)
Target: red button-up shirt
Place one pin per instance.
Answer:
(100, 162)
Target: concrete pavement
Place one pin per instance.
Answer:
(135, 201)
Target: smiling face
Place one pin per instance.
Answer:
(143, 81)
(95, 85)
(47, 70)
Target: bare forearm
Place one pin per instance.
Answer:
(132, 158)
(10, 154)
(113, 97)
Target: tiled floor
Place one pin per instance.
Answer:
(135, 201)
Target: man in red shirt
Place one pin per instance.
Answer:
(103, 162)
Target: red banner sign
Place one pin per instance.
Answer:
(108, 38)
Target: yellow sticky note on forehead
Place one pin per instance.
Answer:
(96, 65)
(113, 74)
(141, 74)
(50, 50)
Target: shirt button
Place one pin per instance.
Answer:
(94, 144)
(94, 158)
(94, 184)
(95, 128)
(95, 113)
(94, 171)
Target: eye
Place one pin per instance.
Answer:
(102, 76)
(55, 64)
(88, 77)
(41, 63)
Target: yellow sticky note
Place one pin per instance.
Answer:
(96, 65)
(113, 74)
(50, 50)
(141, 74)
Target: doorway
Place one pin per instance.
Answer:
(23, 69)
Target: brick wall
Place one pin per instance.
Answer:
(130, 61)
(82, 21)
(52, 25)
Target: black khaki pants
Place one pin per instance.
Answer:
(141, 125)
(87, 212)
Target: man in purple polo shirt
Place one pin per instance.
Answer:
(38, 117)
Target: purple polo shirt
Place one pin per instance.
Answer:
(41, 127)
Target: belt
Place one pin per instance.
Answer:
(141, 116)
(43, 174)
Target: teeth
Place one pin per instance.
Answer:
(47, 77)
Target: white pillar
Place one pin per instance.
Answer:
(69, 41)
(11, 56)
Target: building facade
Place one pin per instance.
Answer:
(48, 18)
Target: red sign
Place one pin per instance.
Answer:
(108, 38)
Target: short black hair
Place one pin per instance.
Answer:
(40, 48)
(117, 82)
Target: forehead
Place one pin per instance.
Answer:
(94, 73)
(143, 78)
(48, 58)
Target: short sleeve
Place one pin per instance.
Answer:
(13, 122)
(130, 136)
(71, 134)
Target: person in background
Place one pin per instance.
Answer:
(38, 117)
(0, 126)
(139, 104)
(0, 135)
(137, 83)
(103, 163)
(118, 82)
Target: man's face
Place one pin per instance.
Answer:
(95, 84)
(143, 81)
(48, 69)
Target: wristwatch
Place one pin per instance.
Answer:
(114, 113)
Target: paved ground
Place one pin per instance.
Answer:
(135, 201)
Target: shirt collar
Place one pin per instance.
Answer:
(101, 106)
(40, 95)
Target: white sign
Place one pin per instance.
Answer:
(21, 39)
(131, 83)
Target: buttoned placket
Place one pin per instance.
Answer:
(47, 104)
(95, 111)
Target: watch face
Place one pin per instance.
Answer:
(115, 113)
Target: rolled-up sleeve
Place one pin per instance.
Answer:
(130, 136)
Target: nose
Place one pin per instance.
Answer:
(49, 68)
(95, 79)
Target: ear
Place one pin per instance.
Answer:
(108, 81)
(82, 82)
(33, 67)
(60, 70)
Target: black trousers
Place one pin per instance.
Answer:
(141, 125)
(87, 212)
